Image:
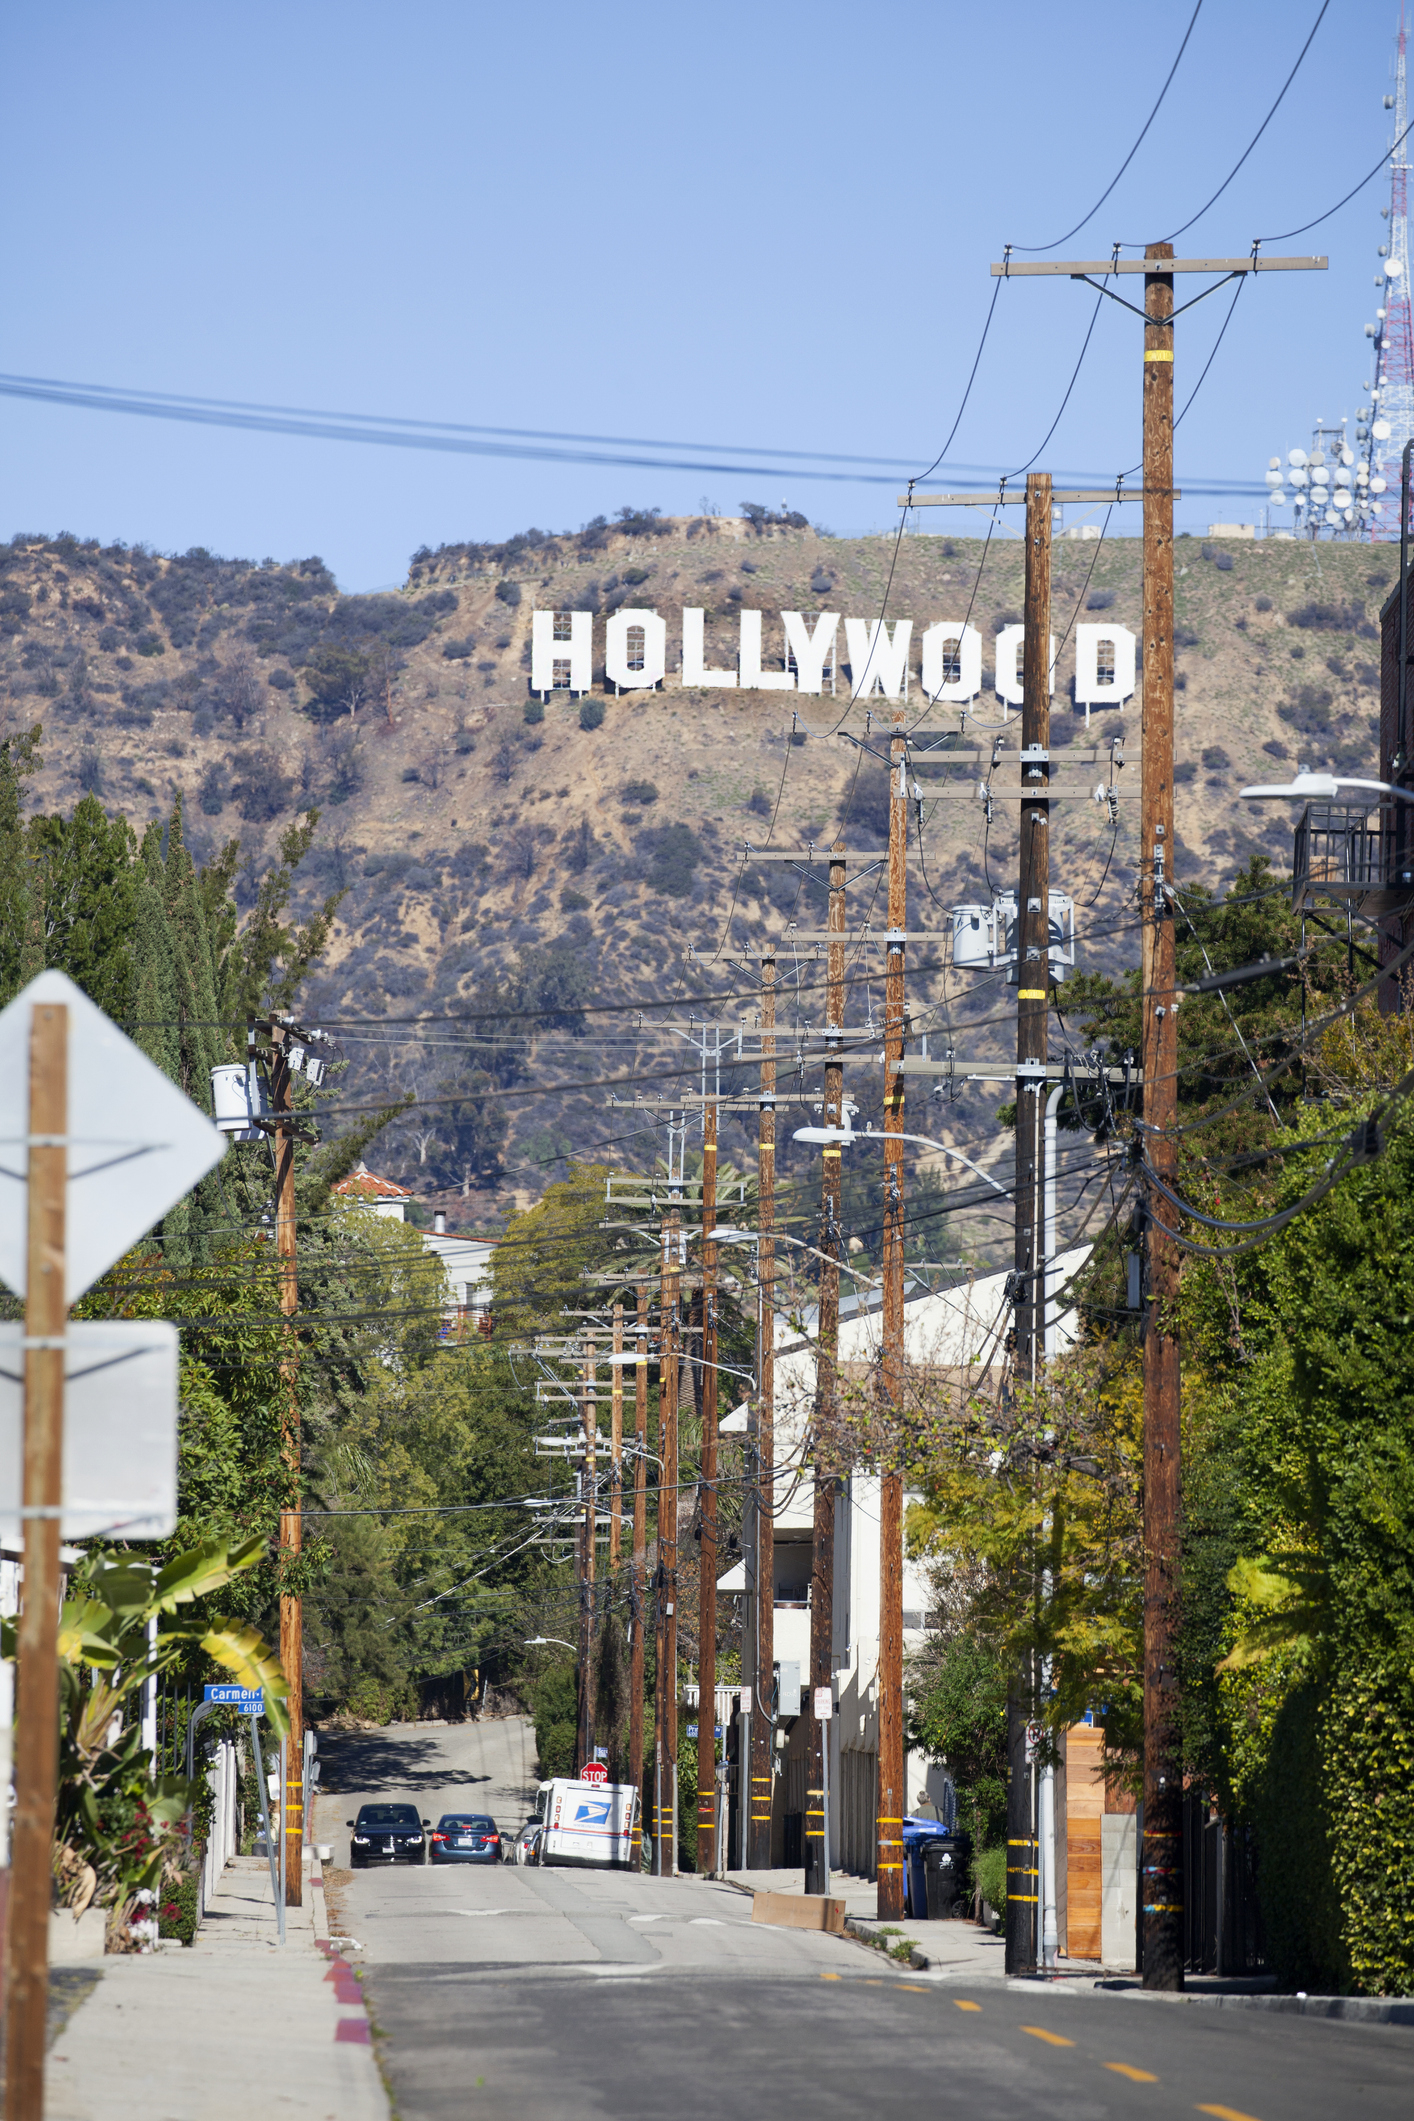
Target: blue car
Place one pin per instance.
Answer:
(465, 1837)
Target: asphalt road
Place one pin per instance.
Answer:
(550, 1995)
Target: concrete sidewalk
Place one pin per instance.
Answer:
(960, 1947)
(230, 2025)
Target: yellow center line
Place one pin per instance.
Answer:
(962, 2006)
(914, 1988)
(829, 1977)
(1135, 2076)
(1225, 2113)
(1038, 2032)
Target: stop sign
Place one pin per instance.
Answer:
(594, 1771)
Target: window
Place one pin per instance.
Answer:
(560, 674)
(1104, 662)
(952, 662)
(635, 649)
(562, 629)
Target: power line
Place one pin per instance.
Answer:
(1034, 248)
(1174, 233)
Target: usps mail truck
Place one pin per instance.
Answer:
(588, 1822)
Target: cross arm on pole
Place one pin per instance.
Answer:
(1081, 268)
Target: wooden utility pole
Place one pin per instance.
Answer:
(291, 1517)
(584, 1745)
(892, 1797)
(616, 1441)
(637, 1567)
(1161, 1859)
(825, 1419)
(707, 1518)
(758, 1847)
(1033, 962)
(37, 1693)
(666, 1798)
(1161, 1863)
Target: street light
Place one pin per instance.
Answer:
(537, 1642)
(845, 1137)
(1322, 787)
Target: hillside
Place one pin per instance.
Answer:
(489, 858)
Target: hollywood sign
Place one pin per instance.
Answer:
(879, 656)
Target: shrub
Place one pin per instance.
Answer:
(674, 852)
(1185, 637)
(639, 792)
(1326, 618)
(759, 803)
(213, 790)
(634, 575)
(151, 644)
(458, 648)
(1186, 771)
(107, 640)
(591, 713)
(821, 584)
(1308, 709)
(1099, 600)
(260, 792)
(989, 1877)
(1215, 759)
(1223, 563)
(508, 593)
(281, 679)
(90, 771)
(535, 711)
(1275, 749)
(176, 1909)
(1262, 603)
(572, 901)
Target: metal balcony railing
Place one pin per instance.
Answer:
(1340, 852)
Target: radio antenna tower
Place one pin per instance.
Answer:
(1391, 419)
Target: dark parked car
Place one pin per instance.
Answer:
(386, 1833)
(465, 1837)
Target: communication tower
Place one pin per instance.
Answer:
(1389, 423)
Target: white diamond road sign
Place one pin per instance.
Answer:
(136, 1143)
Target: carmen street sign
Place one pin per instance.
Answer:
(135, 1143)
(250, 1700)
(120, 1428)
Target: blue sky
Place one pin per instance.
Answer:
(763, 227)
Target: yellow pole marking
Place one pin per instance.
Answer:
(962, 2006)
(1158, 354)
(1135, 2076)
(1038, 2032)
(1225, 2113)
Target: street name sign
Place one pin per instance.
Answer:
(250, 1700)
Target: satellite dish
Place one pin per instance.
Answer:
(1274, 478)
(1377, 485)
(1332, 515)
(1343, 499)
(1393, 269)
(1320, 476)
(1342, 477)
(1347, 456)
(1380, 430)
(1318, 456)
(1296, 456)
(1298, 478)
(1274, 464)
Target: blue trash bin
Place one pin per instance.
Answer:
(917, 1834)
